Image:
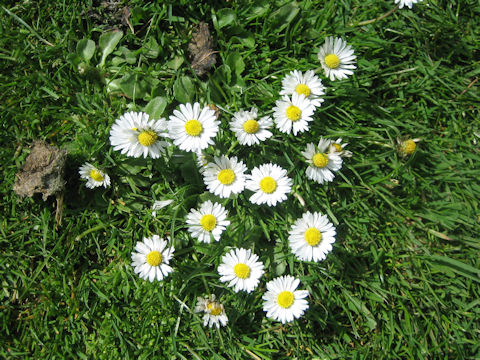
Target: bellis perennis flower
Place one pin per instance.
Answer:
(135, 135)
(282, 301)
(337, 58)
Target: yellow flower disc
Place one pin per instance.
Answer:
(285, 299)
(293, 113)
(226, 176)
(96, 175)
(241, 270)
(332, 61)
(338, 147)
(320, 160)
(268, 185)
(147, 138)
(208, 222)
(312, 236)
(250, 126)
(408, 147)
(303, 89)
(214, 308)
(193, 127)
(154, 258)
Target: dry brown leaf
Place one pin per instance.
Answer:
(201, 50)
(42, 172)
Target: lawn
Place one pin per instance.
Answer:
(402, 279)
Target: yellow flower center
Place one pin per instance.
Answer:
(193, 127)
(250, 126)
(303, 89)
(208, 222)
(338, 147)
(285, 299)
(214, 308)
(154, 258)
(312, 236)
(408, 147)
(147, 137)
(293, 113)
(226, 176)
(96, 175)
(241, 270)
(320, 160)
(332, 61)
(268, 185)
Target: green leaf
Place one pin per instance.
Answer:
(151, 49)
(283, 16)
(129, 55)
(226, 17)
(107, 43)
(86, 49)
(235, 62)
(156, 106)
(133, 86)
(183, 89)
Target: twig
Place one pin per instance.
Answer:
(468, 87)
(366, 22)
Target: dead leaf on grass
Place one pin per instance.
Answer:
(201, 50)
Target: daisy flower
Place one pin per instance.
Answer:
(202, 161)
(408, 3)
(407, 147)
(311, 237)
(282, 301)
(322, 163)
(241, 270)
(192, 128)
(160, 204)
(134, 135)
(270, 184)
(339, 148)
(225, 176)
(307, 84)
(293, 114)
(248, 129)
(152, 258)
(94, 176)
(214, 311)
(211, 219)
(337, 58)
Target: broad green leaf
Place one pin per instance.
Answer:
(235, 62)
(151, 49)
(86, 49)
(107, 43)
(283, 16)
(133, 86)
(225, 17)
(183, 89)
(156, 106)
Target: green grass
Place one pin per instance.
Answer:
(403, 279)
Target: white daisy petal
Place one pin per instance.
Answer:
(292, 114)
(214, 312)
(408, 3)
(311, 237)
(337, 58)
(270, 184)
(152, 258)
(134, 135)
(192, 129)
(307, 84)
(94, 176)
(225, 176)
(209, 220)
(282, 302)
(248, 129)
(241, 270)
(322, 161)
